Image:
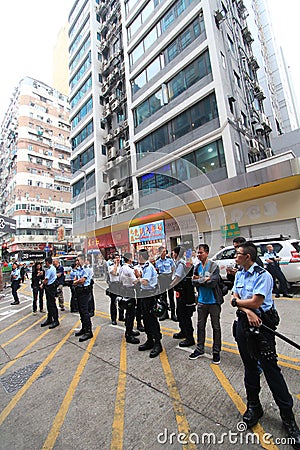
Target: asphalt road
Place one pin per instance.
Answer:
(104, 394)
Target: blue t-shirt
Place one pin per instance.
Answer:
(205, 293)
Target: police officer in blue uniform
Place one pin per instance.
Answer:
(252, 292)
(165, 267)
(147, 278)
(82, 283)
(50, 285)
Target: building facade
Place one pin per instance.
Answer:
(35, 169)
(168, 121)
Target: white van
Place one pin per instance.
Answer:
(288, 250)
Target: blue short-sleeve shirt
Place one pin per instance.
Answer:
(165, 265)
(81, 272)
(51, 275)
(150, 274)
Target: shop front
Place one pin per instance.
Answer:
(150, 236)
(182, 231)
(109, 243)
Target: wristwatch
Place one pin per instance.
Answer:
(233, 302)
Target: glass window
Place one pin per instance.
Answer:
(149, 8)
(207, 158)
(153, 69)
(134, 26)
(186, 39)
(176, 86)
(148, 183)
(137, 53)
(167, 20)
(142, 112)
(150, 39)
(160, 138)
(172, 51)
(139, 82)
(156, 102)
(144, 146)
(181, 125)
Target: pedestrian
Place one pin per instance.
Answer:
(165, 267)
(252, 296)
(128, 281)
(206, 279)
(60, 273)
(38, 275)
(272, 265)
(185, 296)
(73, 301)
(147, 290)
(50, 284)
(114, 286)
(22, 272)
(82, 283)
(15, 283)
(89, 268)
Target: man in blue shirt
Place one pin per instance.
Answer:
(272, 265)
(15, 283)
(147, 279)
(165, 267)
(82, 283)
(50, 285)
(252, 292)
(206, 279)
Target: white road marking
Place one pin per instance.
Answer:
(15, 312)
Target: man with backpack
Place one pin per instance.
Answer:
(210, 297)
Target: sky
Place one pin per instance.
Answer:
(28, 32)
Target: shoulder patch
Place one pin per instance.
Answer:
(259, 269)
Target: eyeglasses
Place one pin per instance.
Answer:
(241, 254)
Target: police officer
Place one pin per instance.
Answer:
(128, 281)
(185, 295)
(15, 283)
(147, 279)
(82, 283)
(165, 267)
(252, 292)
(89, 269)
(50, 284)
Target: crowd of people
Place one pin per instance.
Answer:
(148, 289)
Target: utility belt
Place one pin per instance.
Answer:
(145, 293)
(79, 289)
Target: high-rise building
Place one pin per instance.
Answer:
(60, 62)
(168, 121)
(35, 169)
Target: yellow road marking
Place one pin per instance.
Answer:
(22, 353)
(240, 405)
(22, 332)
(298, 396)
(60, 416)
(38, 372)
(182, 423)
(15, 323)
(118, 423)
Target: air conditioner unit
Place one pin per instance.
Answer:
(114, 182)
(125, 123)
(113, 208)
(112, 98)
(109, 165)
(121, 190)
(126, 144)
(117, 131)
(119, 159)
(106, 210)
(268, 152)
(115, 105)
(254, 146)
(107, 138)
(111, 153)
(264, 120)
(128, 199)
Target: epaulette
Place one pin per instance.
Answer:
(259, 269)
(131, 266)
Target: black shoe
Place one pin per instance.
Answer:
(287, 295)
(157, 349)
(46, 323)
(62, 309)
(79, 333)
(174, 318)
(92, 313)
(87, 335)
(140, 328)
(132, 340)
(54, 324)
(148, 345)
(253, 413)
(164, 317)
(290, 425)
(186, 343)
(121, 319)
(179, 335)
(15, 303)
(277, 295)
(134, 333)
(113, 322)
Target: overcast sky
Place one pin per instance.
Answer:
(28, 31)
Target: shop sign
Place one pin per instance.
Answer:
(147, 232)
(230, 230)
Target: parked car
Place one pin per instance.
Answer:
(67, 261)
(288, 250)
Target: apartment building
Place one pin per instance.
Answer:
(35, 168)
(169, 127)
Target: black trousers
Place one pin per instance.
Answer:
(73, 301)
(272, 372)
(15, 284)
(184, 314)
(83, 297)
(129, 318)
(277, 274)
(50, 291)
(151, 322)
(92, 299)
(37, 293)
(164, 284)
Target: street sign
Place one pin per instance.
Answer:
(7, 225)
(230, 230)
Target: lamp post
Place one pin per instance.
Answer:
(85, 212)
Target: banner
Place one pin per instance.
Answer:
(7, 225)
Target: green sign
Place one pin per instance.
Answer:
(230, 230)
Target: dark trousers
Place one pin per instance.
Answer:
(83, 297)
(129, 319)
(164, 283)
(37, 293)
(139, 311)
(277, 274)
(113, 307)
(15, 284)
(151, 323)
(73, 301)
(214, 311)
(271, 370)
(91, 305)
(184, 314)
(50, 291)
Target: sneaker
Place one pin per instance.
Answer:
(216, 358)
(196, 354)
(113, 322)
(34, 313)
(42, 310)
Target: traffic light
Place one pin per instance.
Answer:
(4, 251)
